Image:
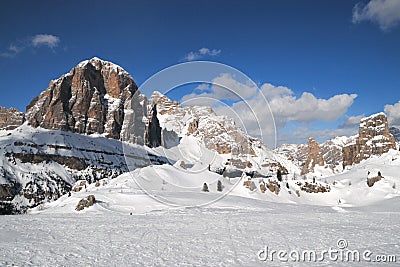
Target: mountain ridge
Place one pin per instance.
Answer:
(93, 124)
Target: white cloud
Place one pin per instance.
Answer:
(386, 13)
(12, 50)
(308, 108)
(393, 113)
(255, 112)
(202, 52)
(225, 87)
(203, 86)
(45, 39)
(351, 122)
(15, 48)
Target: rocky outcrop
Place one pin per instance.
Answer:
(153, 133)
(374, 138)
(135, 118)
(91, 98)
(331, 151)
(371, 181)
(314, 157)
(10, 118)
(85, 203)
(218, 133)
(313, 187)
(296, 153)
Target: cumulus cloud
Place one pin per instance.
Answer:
(12, 50)
(260, 109)
(35, 41)
(393, 113)
(203, 86)
(308, 108)
(386, 13)
(225, 87)
(201, 53)
(351, 122)
(46, 40)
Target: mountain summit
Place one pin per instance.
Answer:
(89, 99)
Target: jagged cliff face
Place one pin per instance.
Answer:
(10, 118)
(98, 97)
(218, 133)
(314, 157)
(374, 138)
(91, 98)
(153, 133)
(331, 151)
(38, 166)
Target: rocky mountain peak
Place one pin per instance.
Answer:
(10, 118)
(89, 99)
(218, 133)
(374, 138)
(314, 157)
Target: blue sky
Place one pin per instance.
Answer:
(326, 48)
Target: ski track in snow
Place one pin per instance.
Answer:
(191, 237)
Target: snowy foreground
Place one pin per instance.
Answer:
(207, 236)
(174, 223)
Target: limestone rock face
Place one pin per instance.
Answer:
(314, 157)
(218, 133)
(374, 138)
(331, 151)
(89, 99)
(153, 134)
(10, 118)
(135, 119)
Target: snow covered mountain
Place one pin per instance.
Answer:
(218, 133)
(39, 165)
(341, 191)
(93, 123)
(331, 151)
(92, 135)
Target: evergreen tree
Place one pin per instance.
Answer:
(205, 187)
(219, 186)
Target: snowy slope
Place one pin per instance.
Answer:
(39, 165)
(166, 186)
(208, 236)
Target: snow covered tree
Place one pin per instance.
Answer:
(205, 187)
(279, 175)
(219, 186)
